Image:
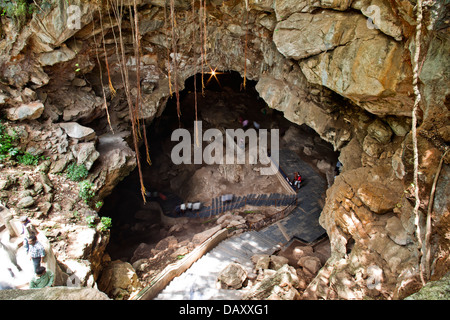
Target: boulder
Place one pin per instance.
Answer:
(143, 251)
(261, 261)
(310, 263)
(28, 111)
(233, 276)
(53, 293)
(378, 198)
(276, 262)
(279, 286)
(396, 231)
(77, 131)
(119, 280)
(434, 290)
(25, 202)
(301, 251)
(303, 35)
(56, 56)
(85, 154)
(370, 71)
(118, 159)
(379, 131)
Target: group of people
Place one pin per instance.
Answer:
(36, 253)
(296, 181)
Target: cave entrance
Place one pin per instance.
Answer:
(223, 105)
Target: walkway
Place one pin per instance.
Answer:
(170, 206)
(199, 281)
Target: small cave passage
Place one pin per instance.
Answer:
(224, 104)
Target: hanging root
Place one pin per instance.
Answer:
(414, 135)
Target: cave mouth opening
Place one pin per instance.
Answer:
(223, 105)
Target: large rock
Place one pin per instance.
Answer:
(379, 131)
(434, 290)
(53, 293)
(77, 131)
(119, 280)
(233, 276)
(303, 35)
(396, 232)
(57, 56)
(371, 72)
(279, 286)
(86, 154)
(29, 111)
(378, 198)
(118, 159)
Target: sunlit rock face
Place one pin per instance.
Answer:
(341, 67)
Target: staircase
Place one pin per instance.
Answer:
(199, 281)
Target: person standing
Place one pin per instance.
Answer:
(42, 279)
(36, 251)
(28, 229)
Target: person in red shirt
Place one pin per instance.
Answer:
(297, 180)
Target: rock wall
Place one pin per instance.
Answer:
(341, 67)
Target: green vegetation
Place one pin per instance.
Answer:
(9, 149)
(104, 224)
(20, 10)
(29, 159)
(87, 191)
(15, 9)
(77, 173)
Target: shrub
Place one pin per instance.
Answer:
(105, 223)
(28, 159)
(87, 191)
(9, 149)
(77, 173)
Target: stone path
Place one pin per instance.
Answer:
(199, 281)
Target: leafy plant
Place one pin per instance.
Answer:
(10, 151)
(77, 173)
(28, 159)
(90, 220)
(87, 191)
(105, 223)
(16, 9)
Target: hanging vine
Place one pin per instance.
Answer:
(173, 26)
(118, 10)
(414, 136)
(247, 9)
(105, 104)
(195, 77)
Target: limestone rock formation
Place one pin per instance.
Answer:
(281, 285)
(232, 276)
(53, 293)
(119, 280)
